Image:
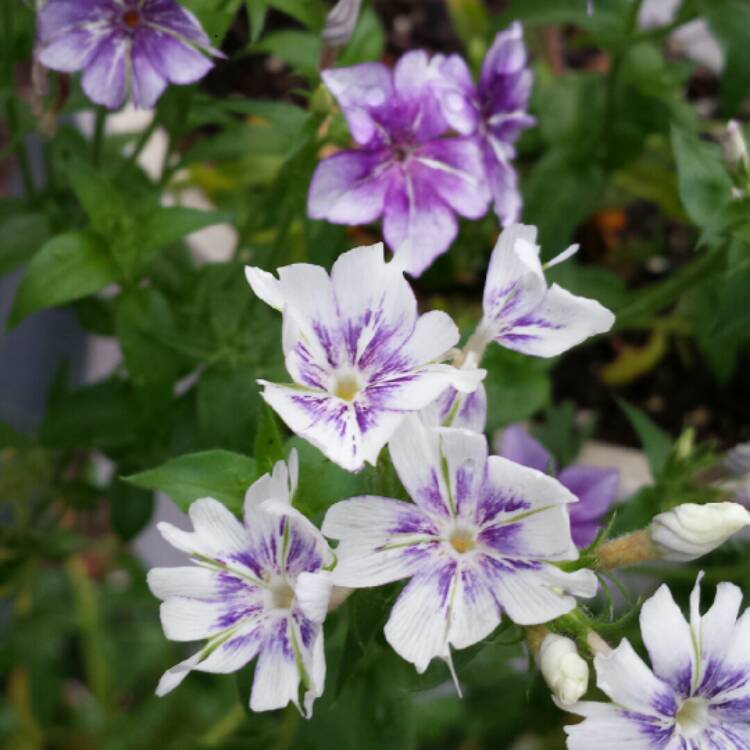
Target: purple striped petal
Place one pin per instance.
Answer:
(517, 445)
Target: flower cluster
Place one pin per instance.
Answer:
(124, 47)
(407, 168)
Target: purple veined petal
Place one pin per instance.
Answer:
(72, 50)
(348, 437)
(595, 487)
(667, 637)
(533, 592)
(379, 317)
(606, 725)
(561, 321)
(517, 445)
(626, 679)
(147, 84)
(350, 187)
(381, 540)
(277, 677)
(170, 15)
(505, 126)
(454, 170)
(465, 411)
(503, 184)
(105, 79)
(417, 224)
(361, 91)
(173, 59)
(412, 81)
(417, 628)
(515, 283)
(475, 609)
(415, 452)
(452, 84)
(60, 17)
(464, 458)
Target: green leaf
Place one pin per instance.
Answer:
(704, 185)
(215, 16)
(367, 42)
(101, 200)
(21, 235)
(220, 474)
(68, 267)
(269, 444)
(656, 443)
(256, 13)
(311, 13)
(130, 509)
(300, 49)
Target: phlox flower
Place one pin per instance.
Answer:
(403, 169)
(594, 486)
(123, 46)
(494, 111)
(360, 356)
(479, 538)
(256, 588)
(695, 695)
(522, 313)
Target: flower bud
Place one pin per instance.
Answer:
(563, 669)
(734, 147)
(340, 22)
(690, 531)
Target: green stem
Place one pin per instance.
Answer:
(657, 297)
(144, 138)
(99, 126)
(11, 106)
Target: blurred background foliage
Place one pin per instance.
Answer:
(625, 159)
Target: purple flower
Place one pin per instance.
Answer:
(696, 694)
(255, 589)
(360, 356)
(123, 45)
(594, 486)
(480, 538)
(494, 110)
(403, 169)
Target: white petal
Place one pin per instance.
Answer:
(418, 626)
(276, 485)
(563, 256)
(435, 334)
(313, 591)
(666, 635)
(561, 321)
(475, 611)
(715, 629)
(515, 282)
(277, 678)
(188, 580)
(266, 286)
(624, 677)
(186, 619)
(175, 675)
(464, 454)
(606, 726)
(531, 597)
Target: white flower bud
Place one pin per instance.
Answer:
(733, 145)
(340, 22)
(690, 531)
(563, 669)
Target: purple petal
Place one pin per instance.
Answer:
(58, 17)
(71, 50)
(172, 59)
(454, 170)
(105, 78)
(413, 81)
(170, 15)
(596, 488)
(517, 445)
(503, 65)
(147, 84)
(350, 187)
(455, 92)
(502, 181)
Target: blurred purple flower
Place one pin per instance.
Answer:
(594, 486)
(494, 111)
(123, 45)
(403, 169)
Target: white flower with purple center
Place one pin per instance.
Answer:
(696, 695)
(255, 589)
(135, 46)
(522, 313)
(403, 169)
(494, 111)
(360, 355)
(480, 538)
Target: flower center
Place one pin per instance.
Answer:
(282, 595)
(462, 541)
(131, 18)
(692, 718)
(347, 386)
